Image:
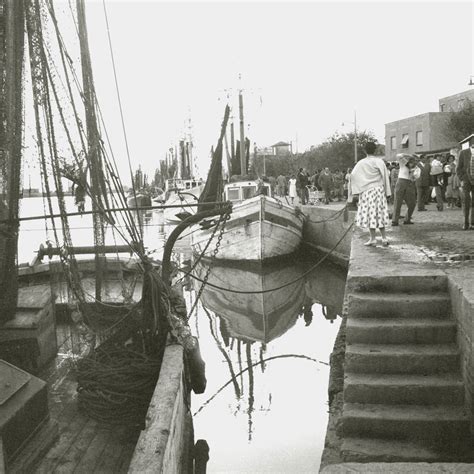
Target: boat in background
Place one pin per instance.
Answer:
(254, 317)
(181, 192)
(260, 227)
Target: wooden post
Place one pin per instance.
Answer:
(243, 164)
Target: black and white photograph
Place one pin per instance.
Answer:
(236, 236)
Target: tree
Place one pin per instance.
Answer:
(461, 123)
(337, 152)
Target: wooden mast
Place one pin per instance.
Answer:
(11, 133)
(94, 153)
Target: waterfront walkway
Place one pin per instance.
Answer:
(414, 296)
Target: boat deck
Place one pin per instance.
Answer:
(84, 445)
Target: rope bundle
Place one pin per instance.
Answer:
(116, 386)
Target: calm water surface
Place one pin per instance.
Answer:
(273, 417)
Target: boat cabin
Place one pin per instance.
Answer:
(242, 190)
(175, 184)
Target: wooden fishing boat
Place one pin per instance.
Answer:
(260, 226)
(254, 317)
(181, 192)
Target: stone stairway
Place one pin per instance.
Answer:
(403, 391)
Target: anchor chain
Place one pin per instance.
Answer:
(225, 218)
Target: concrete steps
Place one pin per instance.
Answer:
(400, 330)
(403, 392)
(390, 305)
(402, 358)
(366, 450)
(406, 421)
(409, 389)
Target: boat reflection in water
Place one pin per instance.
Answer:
(245, 326)
(252, 317)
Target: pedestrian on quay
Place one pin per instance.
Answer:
(394, 170)
(370, 180)
(347, 178)
(303, 182)
(451, 193)
(292, 188)
(326, 183)
(465, 172)
(281, 185)
(437, 179)
(338, 179)
(423, 183)
(405, 190)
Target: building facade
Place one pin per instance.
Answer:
(425, 133)
(453, 103)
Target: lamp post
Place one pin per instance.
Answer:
(355, 135)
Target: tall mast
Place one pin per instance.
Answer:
(11, 133)
(98, 188)
(243, 164)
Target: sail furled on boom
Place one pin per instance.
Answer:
(214, 184)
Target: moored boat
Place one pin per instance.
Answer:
(260, 226)
(181, 192)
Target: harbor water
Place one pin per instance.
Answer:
(265, 408)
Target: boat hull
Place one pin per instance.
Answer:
(260, 228)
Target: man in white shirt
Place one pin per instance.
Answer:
(405, 190)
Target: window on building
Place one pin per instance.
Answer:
(405, 140)
(419, 138)
(393, 143)
(442, 107)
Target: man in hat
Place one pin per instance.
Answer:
(465, 172)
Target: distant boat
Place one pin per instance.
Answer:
(140, 199)
(181, 192)
(254, 317)
(260, 226)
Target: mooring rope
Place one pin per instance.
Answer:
(260, 292)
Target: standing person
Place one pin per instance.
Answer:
(449, 173)
(325, 182)
(347, 178)
(370, 180)
(281, 185)
(405, 189)
(423, 183)
(303, 181)
(465, 172)
(436, 177)
(292, 188)
(394, 177)
(338, 179)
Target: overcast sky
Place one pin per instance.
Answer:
(305, 67)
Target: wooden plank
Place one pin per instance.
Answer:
(76, 451)
(95, 451)
(68, 432)
(29, 457)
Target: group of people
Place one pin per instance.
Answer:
(417, 177)
(334, 184)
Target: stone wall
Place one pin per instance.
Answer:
(461, 289)
(323, 229)
(165, 445)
